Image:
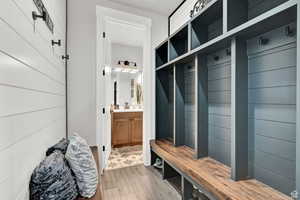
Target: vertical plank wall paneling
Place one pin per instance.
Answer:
(189, 106)
(32, 91)
(219, 99)
(272, 109)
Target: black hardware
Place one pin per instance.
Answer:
(199, 5)
(35, 16)
(44, 14)
(66, 57)
(216, 58)
(103, 34)
(103, 110)
(263, 41)
(127, 63)
(103, 148)
(228, 52)
(103, 72)
(289, 31)
(58, 43)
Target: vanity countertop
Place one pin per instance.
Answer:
(127, 110)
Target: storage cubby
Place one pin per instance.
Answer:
(219, 105)
(154, 158)
(165, 103)
(272, 108)
(185, 104)
(173, 177)
(241, 11)
(179, 43)
(231, 97)
(208, 24)
(162, 54)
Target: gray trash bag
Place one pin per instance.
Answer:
(82, 163)
(62, 146)
(53, 180)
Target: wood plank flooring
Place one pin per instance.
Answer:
(136, 183)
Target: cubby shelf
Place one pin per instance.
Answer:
(161, 56)
(228, 89)
(274, 18)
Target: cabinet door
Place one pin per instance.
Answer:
(121, 132)
(136, 130)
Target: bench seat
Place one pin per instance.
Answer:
(212, 176)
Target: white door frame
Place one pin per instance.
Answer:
(104, 13)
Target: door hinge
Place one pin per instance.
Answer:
(103, 34)
(103, 110)
(103, 72)
(103, 148)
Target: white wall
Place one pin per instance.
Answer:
(32, 91)
(182, 15)
(82, 65)
(124, 52)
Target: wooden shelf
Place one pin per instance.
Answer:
(212, 177)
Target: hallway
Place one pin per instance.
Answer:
(136, 183)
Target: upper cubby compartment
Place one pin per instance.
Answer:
(241, 11)
(161, 54)
(179, 43)
(207, 24)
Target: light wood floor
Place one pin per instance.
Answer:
(136, 183)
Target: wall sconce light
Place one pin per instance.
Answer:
(127, 63)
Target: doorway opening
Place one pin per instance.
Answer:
(124, 58)
(126, 108)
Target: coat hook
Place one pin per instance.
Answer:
(289, 31)
(263, 41)
(216, 58)
(35, 16)
(66, 57)
(58, 43)
(228, 52)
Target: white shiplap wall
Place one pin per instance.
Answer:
(32, 91)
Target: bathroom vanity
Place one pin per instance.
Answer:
(127, 127)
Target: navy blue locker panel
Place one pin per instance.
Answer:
(219, 98)
(272, 109)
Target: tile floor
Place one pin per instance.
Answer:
(125, 157)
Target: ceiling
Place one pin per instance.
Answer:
(164, 7)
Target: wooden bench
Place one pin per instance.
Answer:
(210, 176)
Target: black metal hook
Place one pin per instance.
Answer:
(58, 43)
(263, 41)
(289, 31)
(65, 57)
(228, 52)
(35, 16)
(216, 58)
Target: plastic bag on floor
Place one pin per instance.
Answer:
(53, 180)
(81, 160)
(62, 146)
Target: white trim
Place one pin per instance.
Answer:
(139, 22)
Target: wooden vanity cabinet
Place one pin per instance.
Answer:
(127, 128)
